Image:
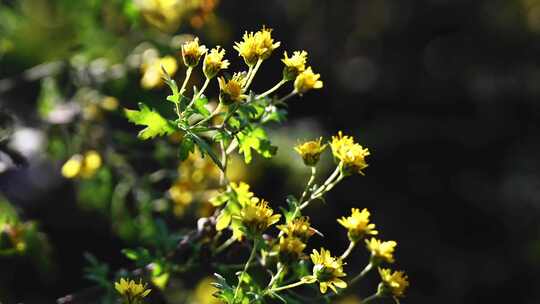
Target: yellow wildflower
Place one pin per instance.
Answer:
(257, 216)
(213, 62)
(298, 228)
(72, 167)
(192, 52)
(247, 48)
(393, 283)
(290, 249)
(350, 154)
(231, 91)
(307, 80)
(328, 270)
(266, 44)
(133, 292)
(381, 251)
(294, 65)
(152, 71)
(358, 224)
(82, 166)
(311, 151)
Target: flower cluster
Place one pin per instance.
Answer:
(84, 166)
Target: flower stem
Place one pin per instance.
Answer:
(362, 273)
(309, 183)
(299, 283)
(370, 298)
(274, 88)
(212, 115)
(188, 75)
(284, 98)
(205, 84)
(348, 250)
(241, 278)
(252, 75)
(225, 245)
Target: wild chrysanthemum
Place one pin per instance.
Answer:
(307, 80)
(381, 251)
(350, 154)
(294, 65)
(192, 52)
(133, 292)
(153, 71)
(230, 91)
(257, 216)
(266, 44)
(248, 48)
(310, 151)
(298, 228)
(358, 224)
(393, 283)
(290, 249)
(328, 270)
(214, 62)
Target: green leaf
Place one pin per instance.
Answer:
(186, 146)
(154, 122)
(200, 106)
(206, 149)
(255, 139)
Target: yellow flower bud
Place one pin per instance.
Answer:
(307, 80)
(231, 91)
(381, 251)
(311, 151)
(294, 65)
(213, 62)
(393, 283)
(72, 167)
(358, 224)
(192, 52)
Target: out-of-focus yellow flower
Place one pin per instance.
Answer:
(192, 52)
(152, 71)
(256, 46)
(381, 251)
(290, 249)
(214, 62)
(133, 292)
(82, 166)
(165, 15)
(393, 283)
(307, 80)
(204, 291)
(294, 65)
(350, 300)
(351, 155)
(230, 91)
(328, 270)
(257, 216)
(310, 151)
(358, 224)
(109, 103)
(298, 228)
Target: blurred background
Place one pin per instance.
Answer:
(444, 93)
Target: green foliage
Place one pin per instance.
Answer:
(156, 124)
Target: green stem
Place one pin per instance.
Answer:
(309, 183)
(362, 274)
(348, 250)
(188, 75)
(274, 278)
(225, 245)
(274, 88)
(252, 75)
(299, 283)
(284, 98)
(205, 84)
(241, 278)
(212, 115)
(370, 298)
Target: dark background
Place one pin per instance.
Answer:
(446, 96)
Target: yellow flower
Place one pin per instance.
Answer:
(257, 216)
(152, 71)
(381, 251)
(82, 166)
(294, 65)
(132, 291)
(311, 151)
(307, 80)
(393, 283)
(247, 48)
(109, 103)
(72, 167)
(265, 43)
(231, 91)
(192, 52)
(213, 62)
(298, 228)
(255, 46)
(165, 15)
(358, 224)
(290, 249)
(203, 293)
(328, 270)
(350, 154)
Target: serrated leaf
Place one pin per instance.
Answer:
(206, 149)
(156, 125)
(255, 139)
(200, 106)
(186, 146)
